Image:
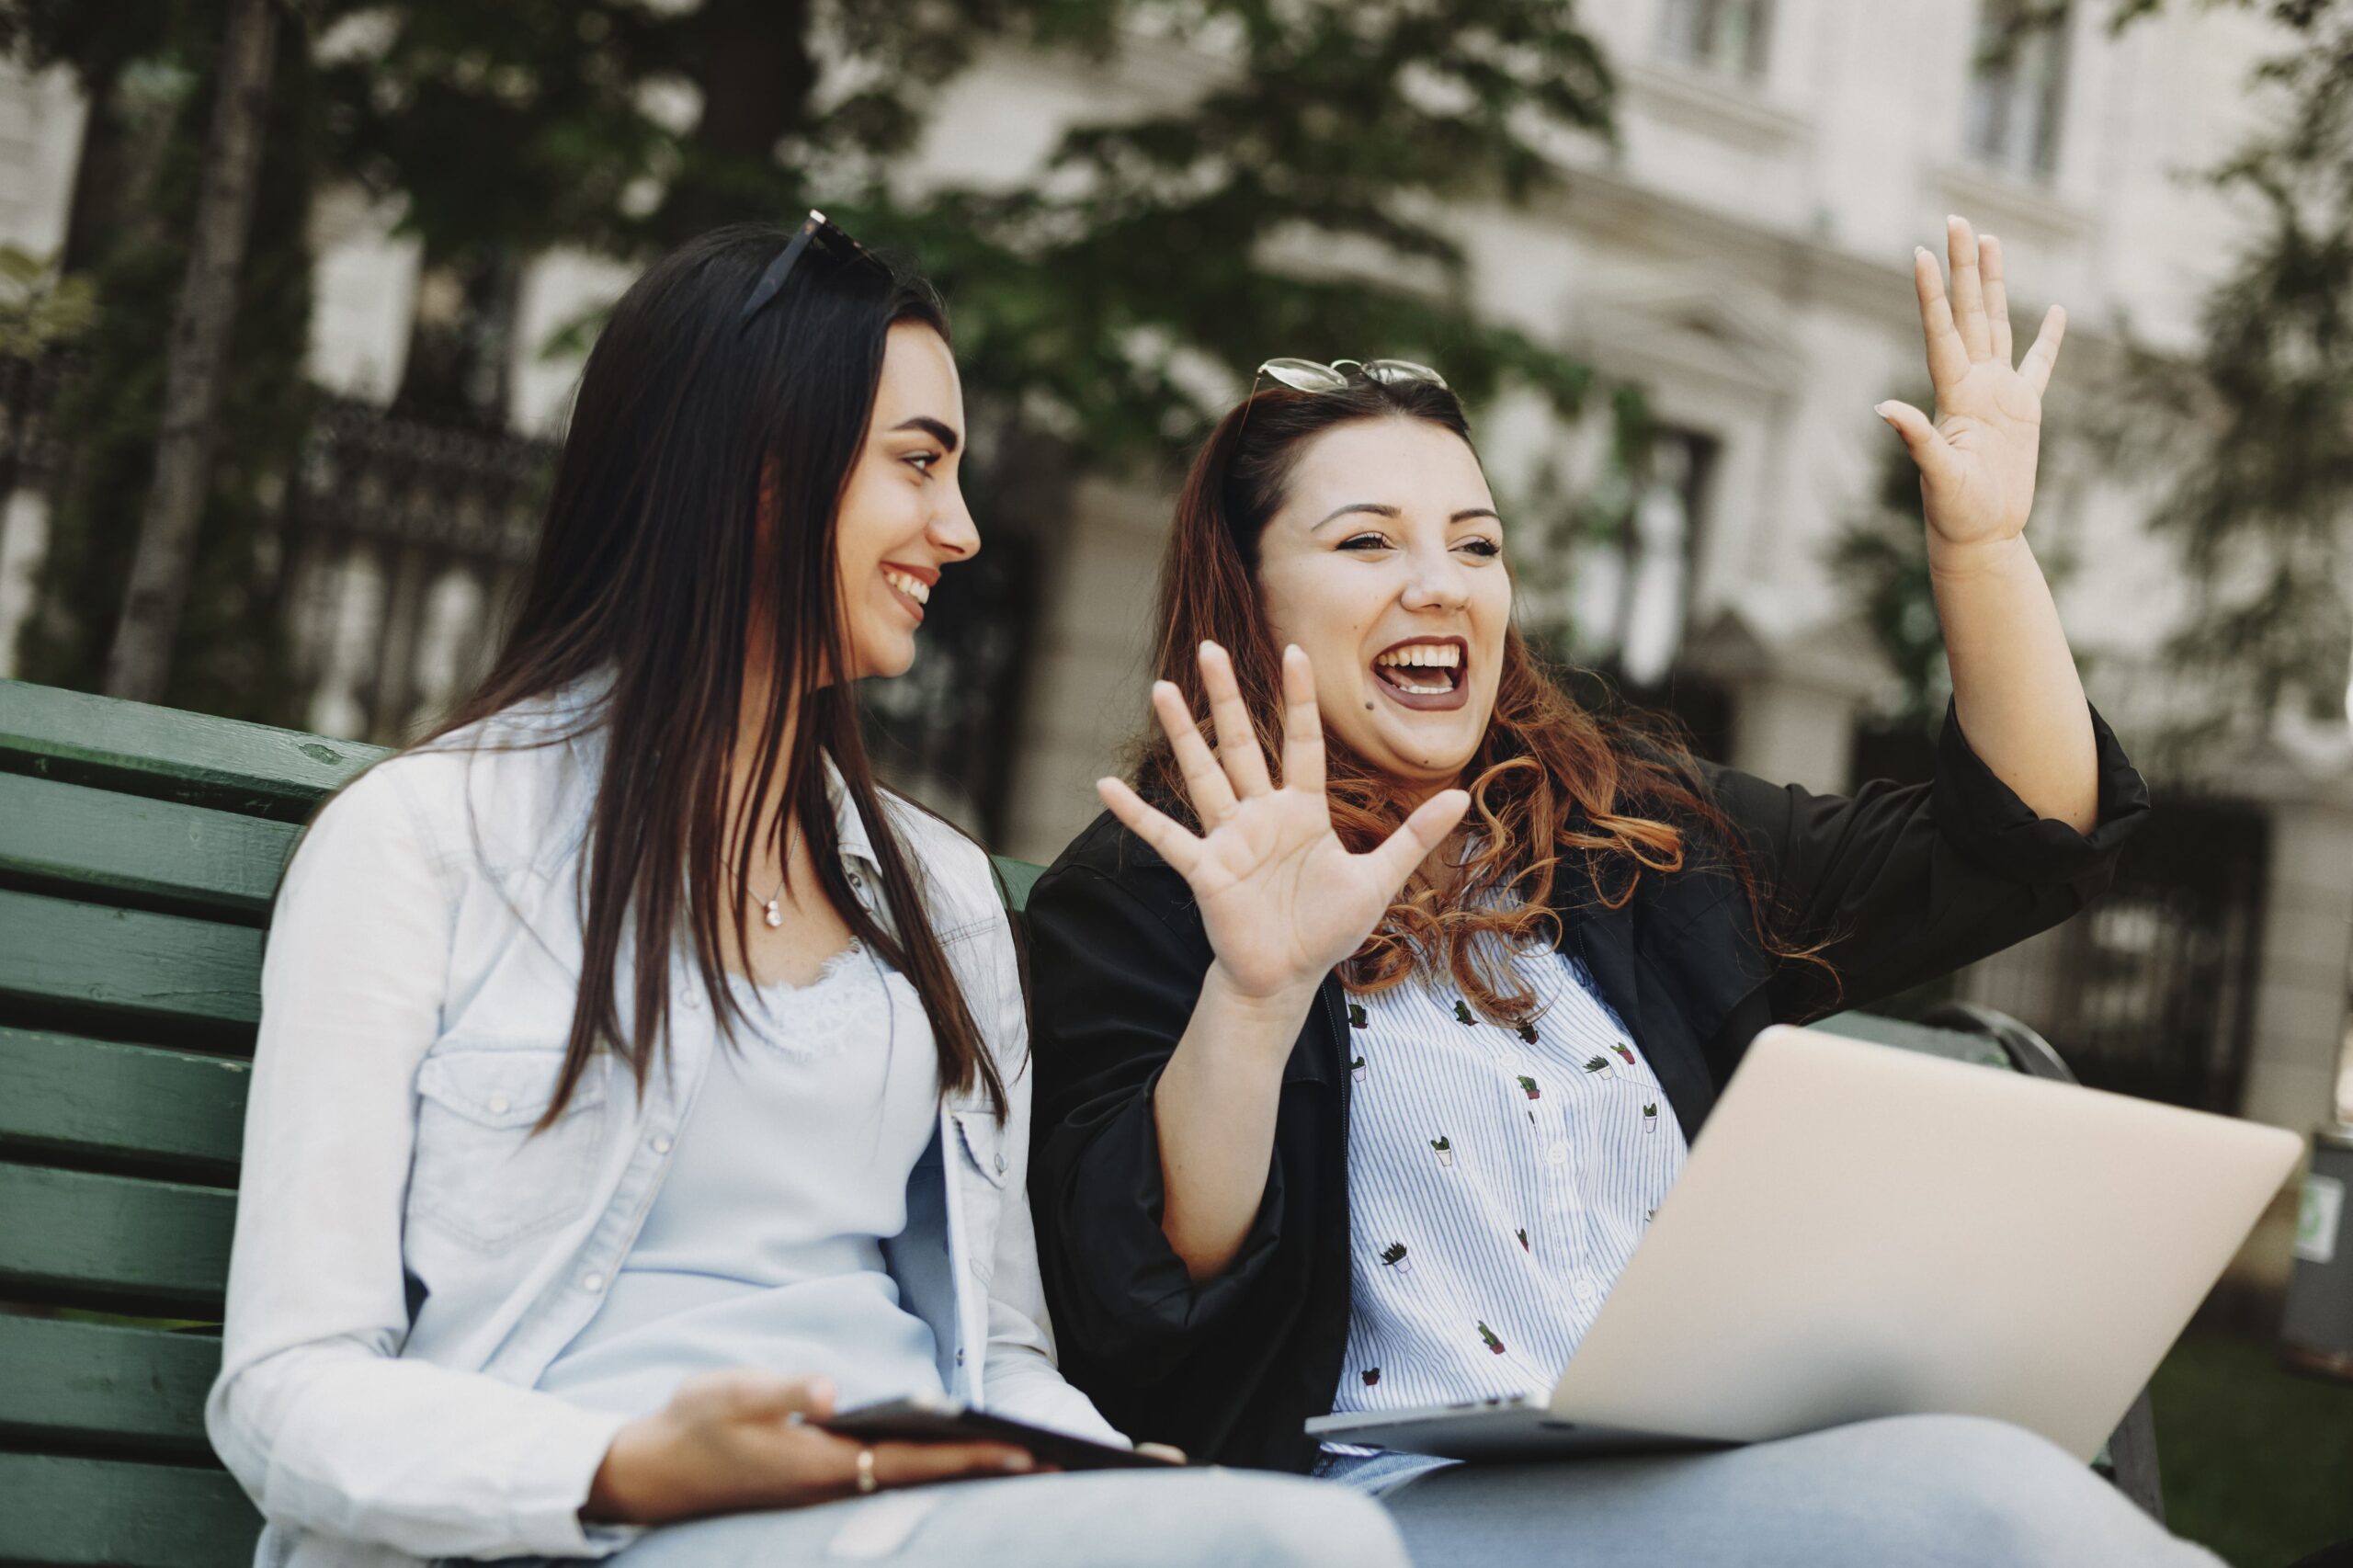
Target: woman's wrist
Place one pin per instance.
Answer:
(1283, 1008)
(1951, 561)
(621, 1493)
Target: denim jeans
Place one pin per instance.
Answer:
(1195, 1519)
(1920, 1490)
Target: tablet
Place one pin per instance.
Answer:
(936, 1419)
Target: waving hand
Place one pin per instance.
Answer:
(1283, 900)
(1977, 460)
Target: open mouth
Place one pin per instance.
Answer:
(1424, 673)
(913, 587)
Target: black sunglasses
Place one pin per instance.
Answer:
(816, 229)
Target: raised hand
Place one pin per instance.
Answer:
(1283, 900)
(1977, 460)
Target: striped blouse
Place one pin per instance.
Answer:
(1498, 1180)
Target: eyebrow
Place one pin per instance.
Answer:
(1381, 509)
(939, 432)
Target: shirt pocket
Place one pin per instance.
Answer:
(481, 1175)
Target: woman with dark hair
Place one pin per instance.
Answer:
(636, 1077)
(1360, 1077)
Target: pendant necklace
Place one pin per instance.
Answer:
(773, 909)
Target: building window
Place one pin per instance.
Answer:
(1630, 592)
(1725, 36)
(2018, 85)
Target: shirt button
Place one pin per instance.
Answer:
(498, 1105)
(592, 1281)
(1584, 1289)
(1558, 1153)
(1000, 1164)
(959, 1357)
(693, 1000)
(661, 1144)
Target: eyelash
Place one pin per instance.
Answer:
(1486, 549)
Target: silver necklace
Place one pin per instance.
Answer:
(772, 908)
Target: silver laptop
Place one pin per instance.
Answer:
(1864, 1232)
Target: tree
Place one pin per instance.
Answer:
(2258, 427)
(1150, 244)
(1293, 204)
(146, 67)
(193, 370)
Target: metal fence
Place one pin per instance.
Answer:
(409, 541)
(2151, 990)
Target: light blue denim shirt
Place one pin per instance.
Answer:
(408, 1259)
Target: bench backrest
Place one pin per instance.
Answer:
(139, 849)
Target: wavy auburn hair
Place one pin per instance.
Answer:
(1552, 784)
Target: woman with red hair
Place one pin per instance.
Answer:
(1360, 1076)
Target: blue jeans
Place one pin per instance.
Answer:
(1919, 1491)
(1195, 1519)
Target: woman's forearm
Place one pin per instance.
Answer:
(1214, 1108)
(2013, 683)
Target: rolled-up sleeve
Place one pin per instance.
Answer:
(1114, 991)
(1897, 885)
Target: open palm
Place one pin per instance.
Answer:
(1977, 460)
(1283, 900)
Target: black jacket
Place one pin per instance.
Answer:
(1905, 882)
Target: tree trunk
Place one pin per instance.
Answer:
(752, 65)
(140, 660)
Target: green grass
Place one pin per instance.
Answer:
(2257, 1461)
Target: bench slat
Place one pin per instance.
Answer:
(1020, 875)
(125, 849)
(102, 1385)
(1955, 1045)
(129, 746)
(75, 1513)
(93, 1099)
(161, 976)
(108, 1240)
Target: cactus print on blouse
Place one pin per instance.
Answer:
(1499, 1177)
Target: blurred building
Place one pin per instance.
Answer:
(1745, 253)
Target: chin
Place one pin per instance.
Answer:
(880, 661)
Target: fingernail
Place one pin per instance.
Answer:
(1019, 1462)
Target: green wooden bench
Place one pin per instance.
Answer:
(140, 849)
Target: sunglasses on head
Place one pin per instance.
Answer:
(1314, 376)
(816, 230)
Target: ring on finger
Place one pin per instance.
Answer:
(865, 1481)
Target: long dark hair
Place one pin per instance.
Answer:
(692, 434)
(1550, 781)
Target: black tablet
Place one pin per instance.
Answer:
(938, 1420)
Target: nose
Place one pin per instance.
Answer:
(952, 531)
(1438, 582)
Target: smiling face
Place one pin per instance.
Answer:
(1384, 564)
(903, 515)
